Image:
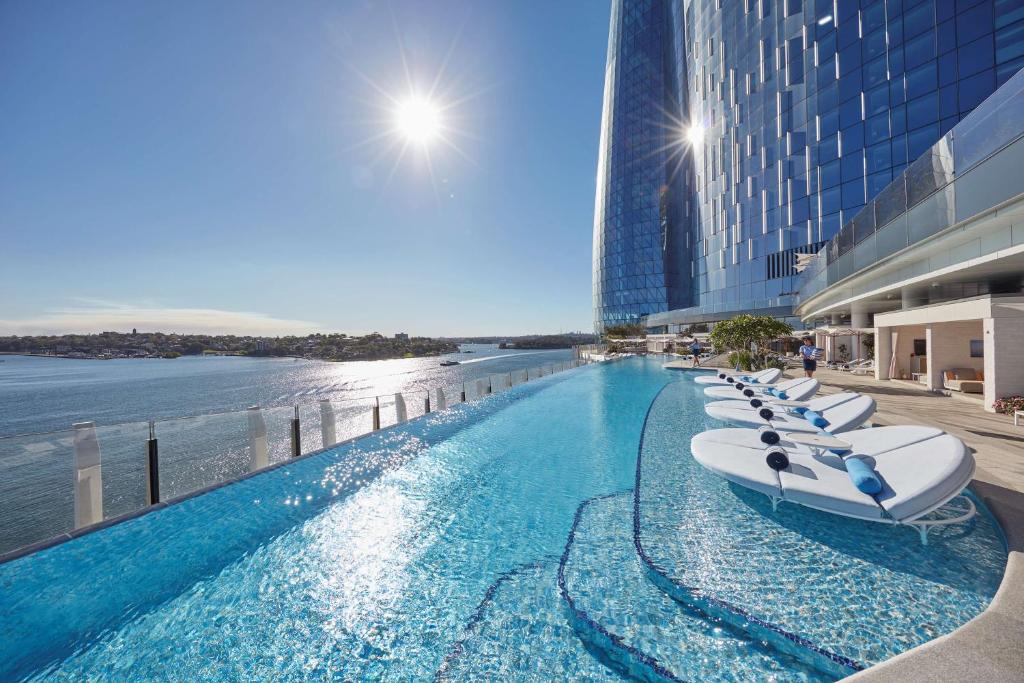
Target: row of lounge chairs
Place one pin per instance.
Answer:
(817, 452)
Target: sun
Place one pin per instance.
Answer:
(418, 120)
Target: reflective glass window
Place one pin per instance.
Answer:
(898, 120)
(922, 111)
(830, 175)
(918, 19)
(974, 23)
(879, 157)
(974, 89)
(947, 69)
(947, 102)
(878, 181)
(850, 112)
(1010, 42)
(875, 73)
(853, 194)
(828, 124)
(899, 150)
(919, 50)
(945, 37)
(876, 128)
(1007, 12)
(921, 80)
(876, 100)
(852, 165)
(850, 85)
(976, 57)
(918, 141)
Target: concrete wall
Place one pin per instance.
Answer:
(949, 347)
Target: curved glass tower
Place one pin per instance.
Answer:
(641, 248)
(806, 110)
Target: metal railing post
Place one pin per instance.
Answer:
(152, 467)
(490, 385)
(426, 403)
(376, 413)
(88, 475)
(296, 435)
(463, 392)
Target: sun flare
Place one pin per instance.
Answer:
(418, 120)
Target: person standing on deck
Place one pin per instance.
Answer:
(809, 353)
(695, 350)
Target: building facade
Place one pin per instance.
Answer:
(792, 115)
(641, 229)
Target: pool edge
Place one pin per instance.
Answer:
(990, 646)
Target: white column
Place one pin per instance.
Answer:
(883, 351)
(88, 475)
(937, 348)
(257, 440)
(1004, 358)
(401, 412)
(328, 424)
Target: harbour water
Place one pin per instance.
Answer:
(40, 394)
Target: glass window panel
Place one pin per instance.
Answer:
(945, 37)
(899, 150)
(853, 194)
(830, 175)
(876, 100)
(852, 165)
(922, 80)
(875, 73)
(974, 23)
(828, 124)
(974, 89)
(878, 181)
(879, 157)
(1006, 71)
(876, 129)
(976, 57)
(1010, 42)
(850, 112)
(895, 30)
(919, 50)
(947, 102)
(947, 69)
(1007, 12)
(874, 44)
(898, 119)
(922, 111)
(853, 138)
(850, 86)
(918, 141)
(919, 19)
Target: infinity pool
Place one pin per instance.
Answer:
(557, 530)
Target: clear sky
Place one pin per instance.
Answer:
(234, 166)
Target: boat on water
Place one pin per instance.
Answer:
(446, 363)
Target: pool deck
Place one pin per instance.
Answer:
(990, 647)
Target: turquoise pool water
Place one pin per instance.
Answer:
(510, 539)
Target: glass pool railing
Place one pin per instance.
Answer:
(55, 483)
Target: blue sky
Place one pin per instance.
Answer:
(232, 166)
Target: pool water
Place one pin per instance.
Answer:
(499, 540)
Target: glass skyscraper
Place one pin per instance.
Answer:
(739, 133)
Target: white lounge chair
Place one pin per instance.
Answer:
(799, 389)
(865, 368)
(761, 377)
(920, 469)
(842, 412)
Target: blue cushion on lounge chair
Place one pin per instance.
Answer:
(862, 476)
(781, 395)
(815, 419)
(801, 410)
